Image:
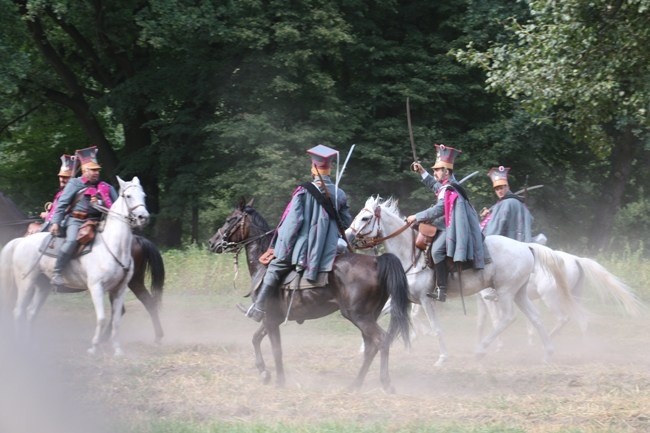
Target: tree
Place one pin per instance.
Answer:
(584, 66)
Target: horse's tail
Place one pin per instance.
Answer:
(546, 261)
(8, 288)
(153, 262)
(392, 276)
(609, 284)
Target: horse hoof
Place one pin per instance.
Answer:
(480, 355)
(442, 360)
(118, 353)
(389, 389)
(266, 377)
(92, 351)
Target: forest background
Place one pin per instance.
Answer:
(209, 101)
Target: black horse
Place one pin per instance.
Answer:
(359, 286)
(146, 258)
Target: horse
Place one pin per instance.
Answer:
(105, 269)
(146, 258)
(358, 287)
(581, 273)
(512, 263)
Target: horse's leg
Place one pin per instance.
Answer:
(259, 359)
(276, 346)
(25, 294)
(374, 340)
(140, 291)
(530, 311)
(97, 295)
(117, 304)
(430, 311)
(41, 294)
(506, 317)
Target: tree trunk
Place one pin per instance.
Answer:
(622, 157)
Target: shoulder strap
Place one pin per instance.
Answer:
(326, 202)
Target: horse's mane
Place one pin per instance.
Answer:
(390, 204)
(257, 219)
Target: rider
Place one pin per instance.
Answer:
(76, 204)
(461, 239)
(308, 233)
(65, 172)
(509, 216)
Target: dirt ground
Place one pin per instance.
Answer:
(204, 372)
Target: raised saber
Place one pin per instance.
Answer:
(408, 121)
(469, 176)
(338, 178)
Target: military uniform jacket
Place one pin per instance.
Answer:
(463, 232)
(307, 237)
(511, 218)
(104, 192)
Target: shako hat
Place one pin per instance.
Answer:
(67, 161)
(445, 156)
(499, 175)
(88, 157)
(321, 158)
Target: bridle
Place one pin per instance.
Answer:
(242, 226)
(128, 218)
(363, 242)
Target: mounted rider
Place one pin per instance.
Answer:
(509, 216)
(65, 173)
(309, 230)
(461, 238)
(77, 204)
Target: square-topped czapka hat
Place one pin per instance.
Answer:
(499, 175)
(321, 158)
(67, 162)
(445, 156)
(88, 157)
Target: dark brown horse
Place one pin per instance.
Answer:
(358, 287)
(146, 258)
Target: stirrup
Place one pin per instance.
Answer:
(438, 294)
(255, 313)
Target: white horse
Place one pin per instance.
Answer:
(106, 269)
(511, 265)
(580, 273)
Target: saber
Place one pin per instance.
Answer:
(408, 120)
(528, 189)
(345, 164)
(468, 177)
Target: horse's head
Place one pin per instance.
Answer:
(234, 230)
(367, 224)
(134, 200)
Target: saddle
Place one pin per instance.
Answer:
(51, 246)
(295, 281)
(452, 266)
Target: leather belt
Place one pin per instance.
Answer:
(79, 215)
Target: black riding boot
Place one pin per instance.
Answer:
(256, 310)
(65, 254)
(440, 293)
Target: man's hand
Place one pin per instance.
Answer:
(54, 229)
(411, 219)
(484, 212)
(416, 166)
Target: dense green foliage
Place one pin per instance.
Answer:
(210, 101)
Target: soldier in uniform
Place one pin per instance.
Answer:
(509, 216)
(461, 240)
(77, 204)
(308, 233)
(65, 172)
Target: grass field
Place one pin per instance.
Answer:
(203, 379)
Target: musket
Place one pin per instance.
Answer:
(408, 120)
